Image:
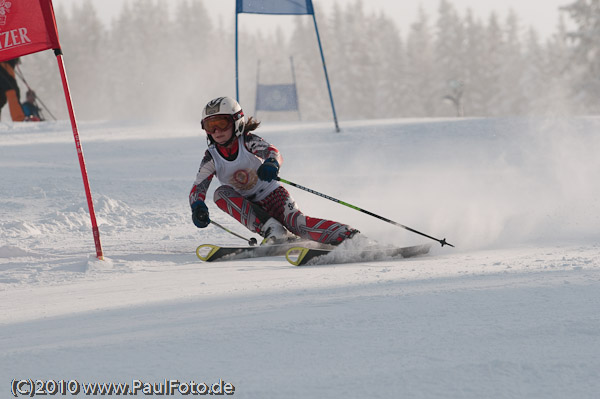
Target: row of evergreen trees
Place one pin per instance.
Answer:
(153, 63)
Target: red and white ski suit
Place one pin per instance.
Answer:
(252, 201)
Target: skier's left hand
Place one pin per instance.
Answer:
(268, 170)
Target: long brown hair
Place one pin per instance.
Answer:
(251, 125)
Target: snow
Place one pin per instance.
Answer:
(511, 312)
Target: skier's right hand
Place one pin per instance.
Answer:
(200, 214)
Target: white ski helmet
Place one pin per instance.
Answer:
(226, 106)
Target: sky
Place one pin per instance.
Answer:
(541, 14)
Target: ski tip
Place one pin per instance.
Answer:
(295, 255)
(203, 255)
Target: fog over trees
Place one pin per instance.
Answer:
(154, 63)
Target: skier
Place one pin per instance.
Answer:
(247, 167)
(30, 108)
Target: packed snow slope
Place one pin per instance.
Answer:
(511, 312)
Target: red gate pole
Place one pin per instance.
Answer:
(86, 184)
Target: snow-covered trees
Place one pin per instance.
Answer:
(585, 64)
(154, 61)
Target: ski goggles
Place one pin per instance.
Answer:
(221, 122)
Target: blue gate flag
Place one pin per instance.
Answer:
(282, 7)
(281, 97)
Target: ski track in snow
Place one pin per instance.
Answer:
(512, 312)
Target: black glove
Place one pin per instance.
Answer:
(200, 214)
(268, 170)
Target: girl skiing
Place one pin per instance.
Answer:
(247, 167)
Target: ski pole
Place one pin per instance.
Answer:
(22, 77)
(252, 241)
(442, 241)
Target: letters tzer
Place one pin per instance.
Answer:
(14, 37)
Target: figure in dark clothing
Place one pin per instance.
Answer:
(30, 108)
(9, 90)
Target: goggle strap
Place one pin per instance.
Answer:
(238, 115)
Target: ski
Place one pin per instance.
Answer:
(211, 253)
(299, 256)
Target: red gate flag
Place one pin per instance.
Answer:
(29, 26)
(26, 26)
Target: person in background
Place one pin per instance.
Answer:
(247, 167)
(30, 108)
(9, 90)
